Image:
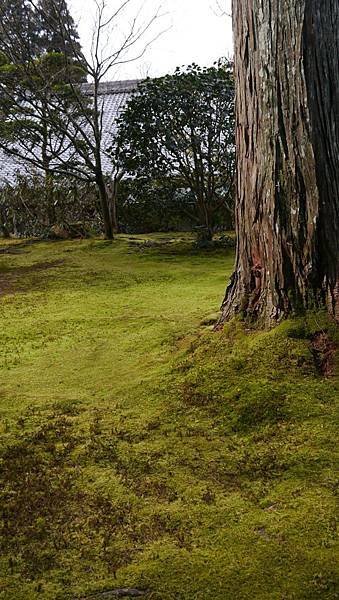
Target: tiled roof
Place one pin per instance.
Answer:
(114, 87)
(113, 95)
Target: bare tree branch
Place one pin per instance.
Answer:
(220, 10)
(70, 140)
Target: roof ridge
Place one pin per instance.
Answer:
(114, 87)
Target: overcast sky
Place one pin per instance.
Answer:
(194, 31)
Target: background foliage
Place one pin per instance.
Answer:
(181, 126)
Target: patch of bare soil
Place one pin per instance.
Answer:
(5, 286)
(324, 353)
(12, 282)
(17, 247)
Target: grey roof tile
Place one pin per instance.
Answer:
(114, 96)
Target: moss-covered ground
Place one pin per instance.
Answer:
(140, 449)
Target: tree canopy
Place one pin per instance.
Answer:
(31, 28)
(57, 30)
(38, 72)
(181, 126)
(41, 91)
(18, 29)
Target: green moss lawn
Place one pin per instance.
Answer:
(140, 449)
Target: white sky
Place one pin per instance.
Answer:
(194, 31)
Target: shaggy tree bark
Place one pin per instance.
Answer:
(287, 79)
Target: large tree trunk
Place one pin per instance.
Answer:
(287, 78)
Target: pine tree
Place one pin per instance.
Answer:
(18, 30)
(39, 70)
(57, 30)
(37, 29)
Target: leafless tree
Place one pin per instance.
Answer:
(65, 116)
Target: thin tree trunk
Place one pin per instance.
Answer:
(100, 179)
(206, 229)
(49, 188)
(112, 195)
(287, 79)
(5, 231)
(104, 202)
(48, 174)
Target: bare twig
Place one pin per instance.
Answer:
(219, 10)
